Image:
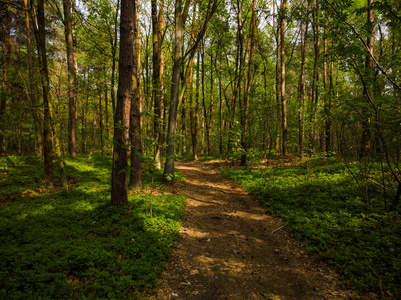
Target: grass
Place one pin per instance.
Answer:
(78, 246)
(344, 221)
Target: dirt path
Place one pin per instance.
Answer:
(229, 249)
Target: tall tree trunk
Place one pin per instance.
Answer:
(156, 84)
(113, 46)
(315, 79)
(196, 110)
(210, 120)
(193, 114)
(301, 87)
(47, 128)
(178, 59)
(244, 118)
(206, 116)
(72, 121)
(323, 139)
(329, 146)
(135, 123)
(241, 58)
(277, 82)
(283, 96)
(32, 87)
(366, 134)
(119, 188)
(5, 91)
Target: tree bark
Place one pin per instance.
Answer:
(366, 134)
(315, 78)
(283, 96)
(135, 123)
(32, 87)
(301, 88)
(156, 88)
(72, 121)
(47, 128)
(119, 190)
(172, 121)
(244, 119)
(5, 90)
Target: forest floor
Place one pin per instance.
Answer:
(231, 248)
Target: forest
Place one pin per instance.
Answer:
(99, 99)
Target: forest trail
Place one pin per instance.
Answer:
(230, 248)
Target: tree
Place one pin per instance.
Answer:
(119, 189)
(135, 115)
(72, 121)
(47, 127)
(282, 60)
(180, 18)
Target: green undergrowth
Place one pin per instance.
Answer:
(78, 246)
(343, 220)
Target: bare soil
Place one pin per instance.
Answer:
(231, 248)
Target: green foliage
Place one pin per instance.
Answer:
(323, 205)
(80, 246)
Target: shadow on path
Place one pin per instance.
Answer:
(229, 249)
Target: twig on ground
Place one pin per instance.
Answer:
(278, 228)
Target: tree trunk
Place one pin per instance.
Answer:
(366, 134)
(32, 87)
(283, 96)
(113, 45)
(193, 112)
(172, 121)
(315, 79)
(100, 111)
(244, 119)
(5, 90)
(301, 88)
(119, 191)
(135, 123)
(156, 88)
(240, 33)
(72, 121)
(47, 128)
(57, 148)
(196, 110)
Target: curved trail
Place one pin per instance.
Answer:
(229, 249)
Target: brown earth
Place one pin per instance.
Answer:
(231, 248)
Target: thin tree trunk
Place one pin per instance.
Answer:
(32, 87)
(241, 58)
(366, 134)
(283, 96)
(156, 84)
(315, 79)
(100, 111)
(57, 148)
(72, 121)
(119, 188)
(244, 119)
(211, 103)
(193, 112)
(196, 111)
(113, 45)
(301, 88)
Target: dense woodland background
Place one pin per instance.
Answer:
(302, 77)
(252, 81)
